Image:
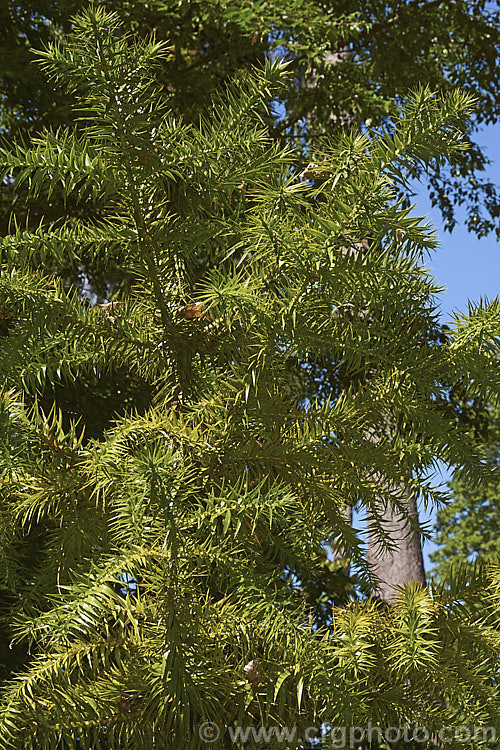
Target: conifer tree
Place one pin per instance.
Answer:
(346, 60)
(155, 570)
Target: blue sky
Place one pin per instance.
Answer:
(469, 268)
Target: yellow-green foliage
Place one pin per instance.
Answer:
(170, 551)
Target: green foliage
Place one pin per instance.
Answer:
(148, 562)
(356, 59)
(467, 527)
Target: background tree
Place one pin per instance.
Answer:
(467, 529)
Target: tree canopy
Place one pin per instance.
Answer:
(357, 59)
(157, 570)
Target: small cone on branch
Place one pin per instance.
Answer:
(194, 311)
(253, 672)
(106, 306)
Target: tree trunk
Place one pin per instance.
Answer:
(406, 563)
